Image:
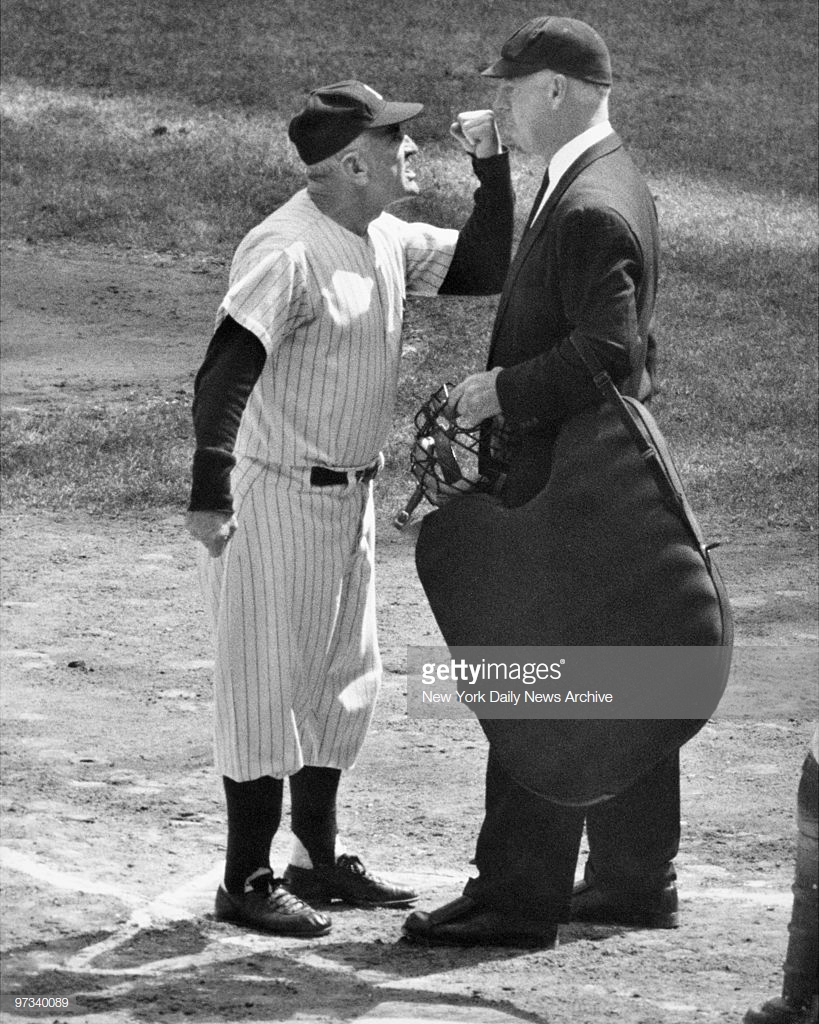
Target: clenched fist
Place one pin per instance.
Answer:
(477, 132)
(213, 529)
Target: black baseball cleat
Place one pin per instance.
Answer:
(268, 906)
(346, 880)
(594, 905)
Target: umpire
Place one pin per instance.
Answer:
(586, 272)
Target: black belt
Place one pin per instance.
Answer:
(321, 476)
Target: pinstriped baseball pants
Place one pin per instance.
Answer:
(292, 604)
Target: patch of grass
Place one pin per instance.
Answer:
(161, 123)
(129, 171)
(701, 85)
(113, 458)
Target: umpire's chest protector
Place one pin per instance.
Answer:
(596, 558)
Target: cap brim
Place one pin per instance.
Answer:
(504, 68)
(395, 113)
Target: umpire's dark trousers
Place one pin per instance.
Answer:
(528, 846)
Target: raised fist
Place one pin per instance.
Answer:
(477, 132)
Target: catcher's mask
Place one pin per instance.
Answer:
(449, 461)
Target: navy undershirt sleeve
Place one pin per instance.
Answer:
(484, 248)
(232, 365)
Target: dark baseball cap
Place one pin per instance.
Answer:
(565, 45)
(336, 114)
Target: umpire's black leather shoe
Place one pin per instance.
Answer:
(268, 907)
(346, 880)
(641, 910)
(463, 922)
(781, 1011)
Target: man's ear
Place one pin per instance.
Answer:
(354, 166)
(560, 87)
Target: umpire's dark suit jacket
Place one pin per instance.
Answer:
(587, 268)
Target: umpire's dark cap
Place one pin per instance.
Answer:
(564, 45)
(336, 114)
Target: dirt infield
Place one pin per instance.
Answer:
(112, 817)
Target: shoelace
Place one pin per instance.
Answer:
(274, 891)
(281, 899)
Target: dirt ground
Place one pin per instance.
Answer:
(112, 816)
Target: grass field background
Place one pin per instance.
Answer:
(160, 125)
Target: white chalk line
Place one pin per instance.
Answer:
(194, 899)
(25, 864)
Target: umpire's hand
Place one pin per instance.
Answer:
(474, 399)
(213, 529)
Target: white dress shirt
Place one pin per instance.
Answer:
(566, 156)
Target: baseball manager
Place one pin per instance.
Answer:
(292, 405)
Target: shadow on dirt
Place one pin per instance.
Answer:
(205, 971)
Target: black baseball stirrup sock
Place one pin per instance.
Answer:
(254, 810)
(313, 811)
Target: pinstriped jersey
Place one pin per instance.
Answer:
(327, 305)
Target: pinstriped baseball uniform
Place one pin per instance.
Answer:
(292, 597)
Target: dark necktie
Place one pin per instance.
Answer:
(538, 199)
